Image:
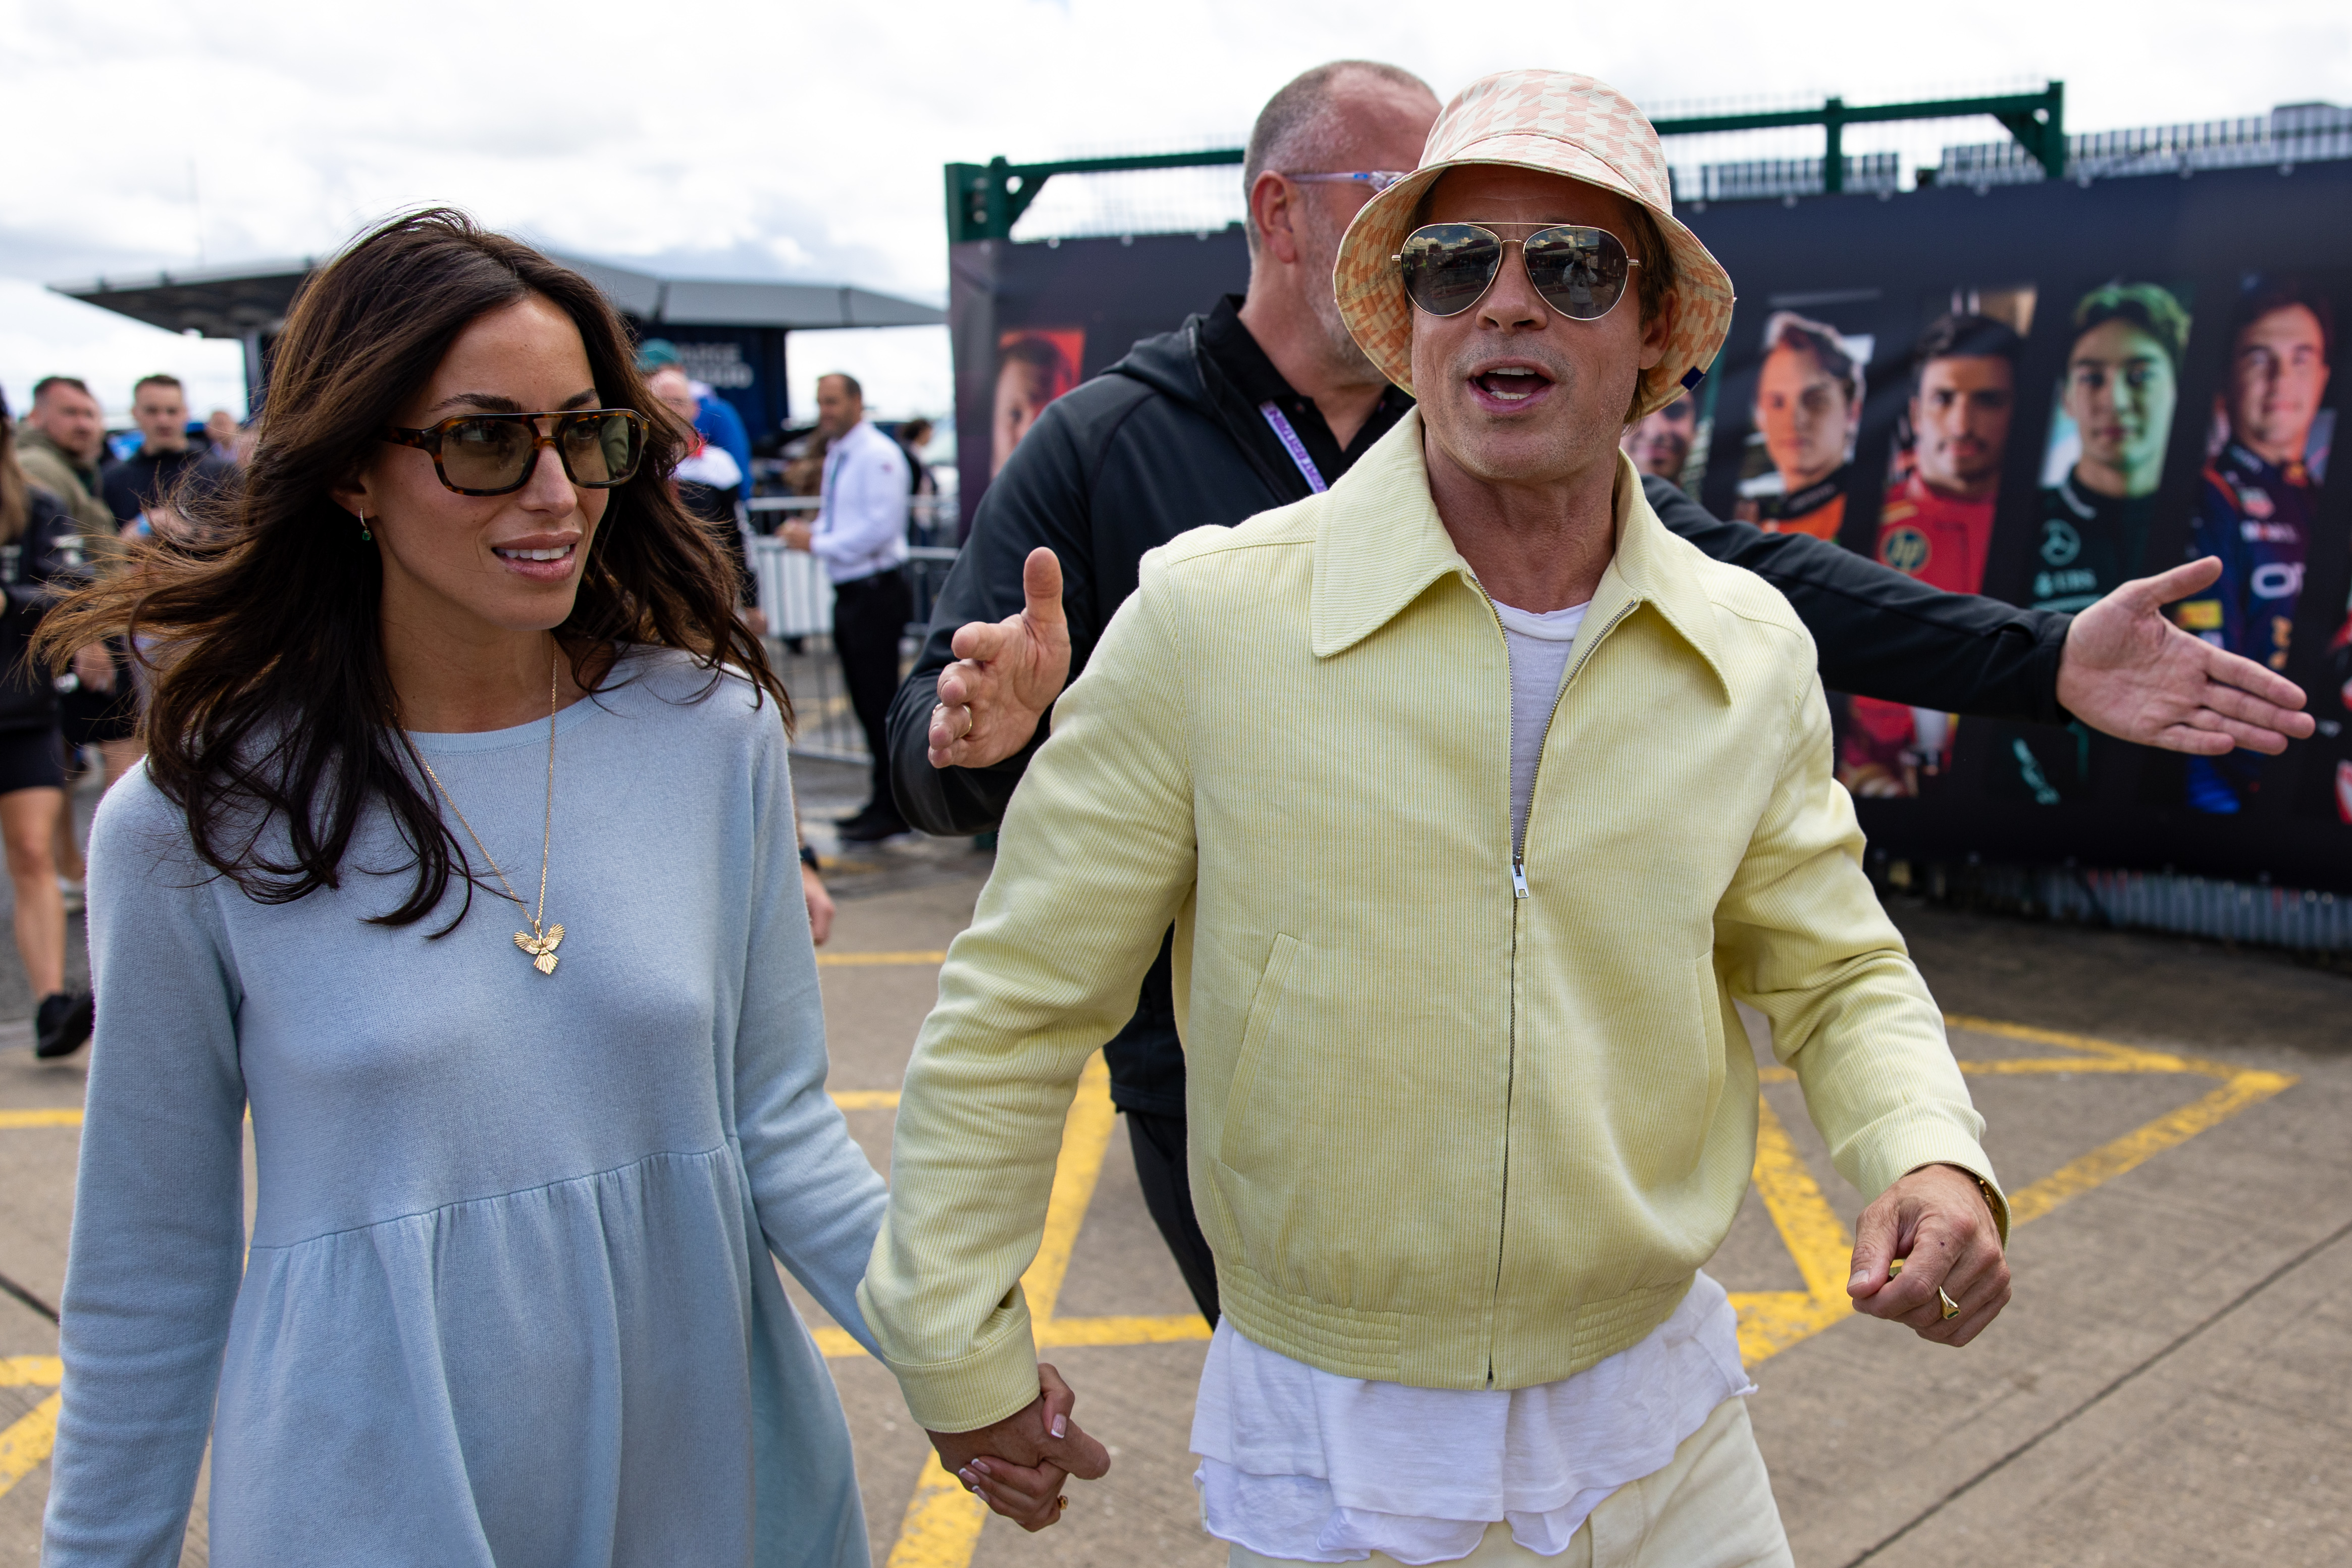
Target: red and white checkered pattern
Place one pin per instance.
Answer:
(1555, 123)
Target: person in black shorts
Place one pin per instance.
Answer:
(39, 547)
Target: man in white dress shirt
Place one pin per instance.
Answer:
(861, 536)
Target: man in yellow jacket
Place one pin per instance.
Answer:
(1476, 797)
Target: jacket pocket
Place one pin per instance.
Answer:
(1271, 986)
(1713, 1036)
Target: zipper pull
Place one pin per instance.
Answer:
(1518, 878)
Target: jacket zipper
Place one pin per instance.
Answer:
(1519, 896)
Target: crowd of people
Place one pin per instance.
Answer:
(66, 506)
(1446, 777)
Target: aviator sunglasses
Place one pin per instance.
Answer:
(1580, 272)
(494, 454)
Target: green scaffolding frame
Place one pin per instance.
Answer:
(985, 200)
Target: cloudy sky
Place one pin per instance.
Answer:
(792, 140)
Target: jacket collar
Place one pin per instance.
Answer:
(1379, 544)
(43, 441)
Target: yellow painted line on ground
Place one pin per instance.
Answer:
(31, 1372)
(2045, 1067)
(2022, 1067)
(1817, 1239)
(1114, 1332)
(1166, 1330)
(60, 1118)
(2143, 1060)
(1085, 1136)
(941, 1525)
(862, 960)
(2104, 1164)
(1772, 1321)
(24, 1445)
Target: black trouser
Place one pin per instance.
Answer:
(1160, 1166)
(869, 616)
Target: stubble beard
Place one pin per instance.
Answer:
(1344, 359)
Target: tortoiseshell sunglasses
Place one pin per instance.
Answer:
(494, 454)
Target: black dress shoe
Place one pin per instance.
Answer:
(61, 1026)
(871, 827)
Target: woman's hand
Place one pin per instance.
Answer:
(820, 904)
(1042, 1433)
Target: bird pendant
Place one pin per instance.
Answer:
(541, 948)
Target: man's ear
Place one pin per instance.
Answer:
(1658, 329)
(1270, 199)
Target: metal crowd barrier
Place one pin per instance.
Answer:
(797, 599)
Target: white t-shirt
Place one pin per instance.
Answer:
(1306, 1465)
(1540, 645)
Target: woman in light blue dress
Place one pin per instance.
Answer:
(463, 859)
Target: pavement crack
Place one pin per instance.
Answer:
(1958, 1492)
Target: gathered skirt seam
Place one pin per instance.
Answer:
(723, 1147)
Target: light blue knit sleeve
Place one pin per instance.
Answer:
(819, 1200)
(159, 1212)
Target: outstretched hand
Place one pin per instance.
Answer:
(1006, 674)
(2131, 673)
(1018, 1465)
(1938, 1222)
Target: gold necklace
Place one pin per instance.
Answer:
(540, 941)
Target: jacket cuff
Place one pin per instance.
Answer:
(978, 1389)
(2049, 652)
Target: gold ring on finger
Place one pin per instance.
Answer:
(1951, 1308)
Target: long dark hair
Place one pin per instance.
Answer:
(270, 700)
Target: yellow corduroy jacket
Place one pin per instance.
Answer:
(1459, 1116)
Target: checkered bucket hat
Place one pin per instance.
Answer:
(1555, 123)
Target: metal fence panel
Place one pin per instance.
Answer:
(797, 599)
(2299, 133)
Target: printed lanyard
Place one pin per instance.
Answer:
(1294, 445)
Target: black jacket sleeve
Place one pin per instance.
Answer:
(1040, 497)
(1882, 634)
(41, 565)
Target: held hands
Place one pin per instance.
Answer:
(1006, 674)
(1018, 1465)
(1938, 1221)
(2128, 671)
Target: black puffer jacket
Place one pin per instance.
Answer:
(1161, 443)
(44, 560)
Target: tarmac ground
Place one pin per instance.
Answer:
(2167, 1387)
